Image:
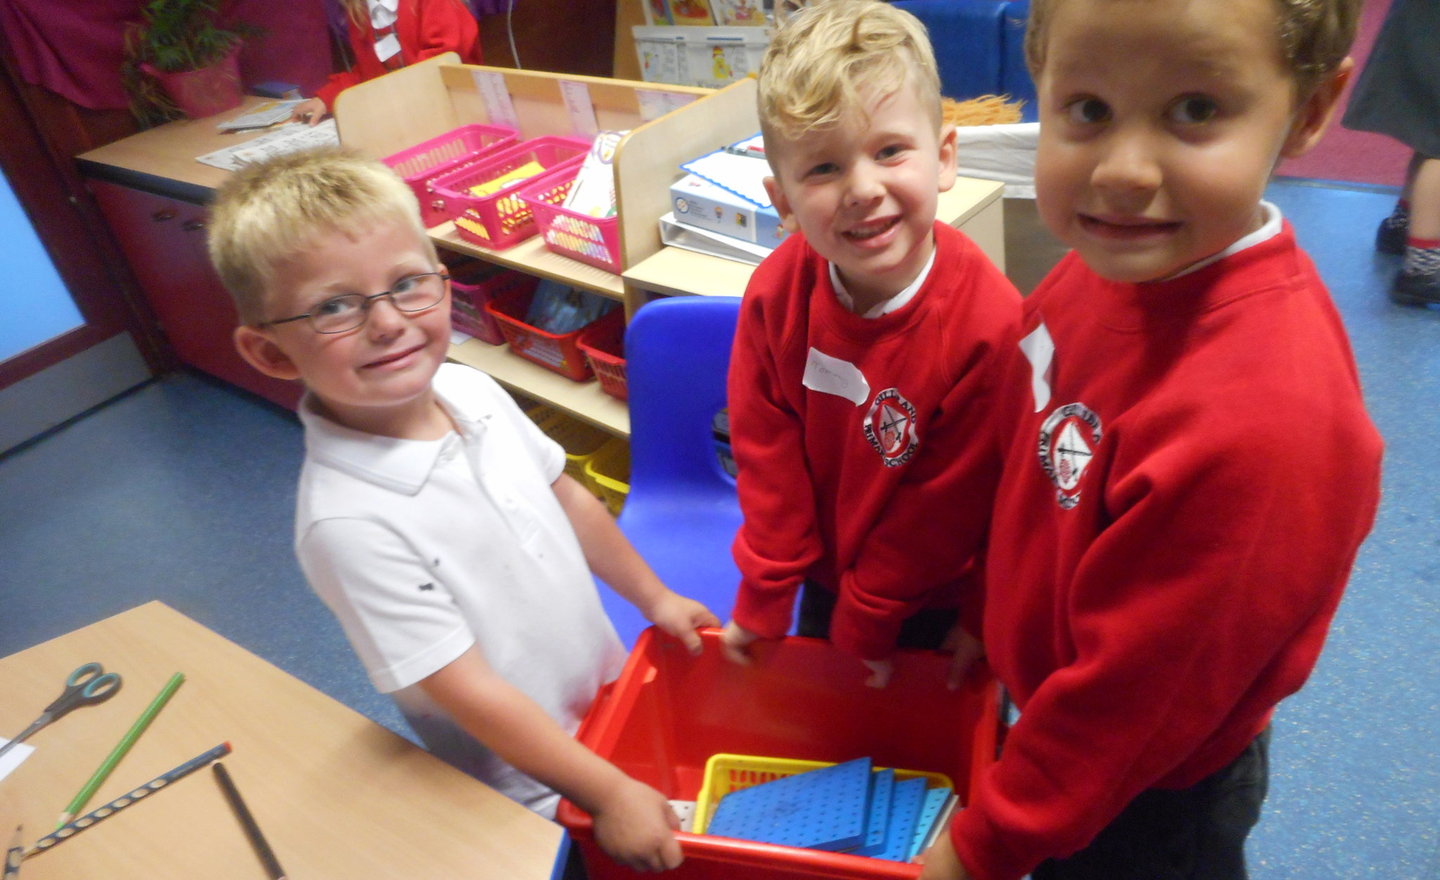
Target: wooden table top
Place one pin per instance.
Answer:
(335, 794)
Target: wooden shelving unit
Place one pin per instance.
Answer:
(402, 109)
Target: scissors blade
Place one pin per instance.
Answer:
(36, 725)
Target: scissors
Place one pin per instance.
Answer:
(87, 685)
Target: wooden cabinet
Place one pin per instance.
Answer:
(163, 239)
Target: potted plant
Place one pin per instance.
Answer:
(180, 60)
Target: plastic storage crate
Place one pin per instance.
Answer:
(554, 351)
(500, 219)
(475, 284)
(591, 240)
(603, 344)
(423, 163)
(669, 712)
(608, 472)
(580, 441)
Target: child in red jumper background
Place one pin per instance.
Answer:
(1190, 466)
(866, 352)
(386, 35)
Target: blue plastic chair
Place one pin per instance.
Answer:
(681, 512)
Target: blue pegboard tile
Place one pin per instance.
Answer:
(823, 809)
(905, 801)
(881, 784)
(930, 809)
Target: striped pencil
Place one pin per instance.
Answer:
(97, 815)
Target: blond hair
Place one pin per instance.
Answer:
(272, 211)
(1314, 35)
(820, 60)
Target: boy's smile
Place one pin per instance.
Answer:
(374, 377)
(864, 192)
(1161, 121)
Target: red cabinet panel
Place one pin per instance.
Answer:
(164, 240)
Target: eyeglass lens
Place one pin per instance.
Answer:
(413, 293)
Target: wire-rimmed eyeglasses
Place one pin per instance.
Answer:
(413, 293)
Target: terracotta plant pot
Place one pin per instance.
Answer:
(206, 91)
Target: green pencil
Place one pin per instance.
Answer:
(128, 740)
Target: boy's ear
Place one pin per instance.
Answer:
(1313, 115)
(949, 157)
(782, 205)
(261, 352)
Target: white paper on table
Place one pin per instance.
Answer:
(13, 758)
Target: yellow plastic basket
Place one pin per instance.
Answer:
(581, 441)
(726, 773)
(608, 470)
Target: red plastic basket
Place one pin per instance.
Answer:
(603, 344)
(592, 240)
(669, 712)
(423, 163)
(500, 219)
(558, 352)
(472, 288)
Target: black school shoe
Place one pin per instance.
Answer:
(1390, 239)
(1416, 289)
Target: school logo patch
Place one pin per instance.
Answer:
(890, 426)
(1067, 446)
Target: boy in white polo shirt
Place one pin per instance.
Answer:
(434, 518)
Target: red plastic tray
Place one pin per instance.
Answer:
(668, 712)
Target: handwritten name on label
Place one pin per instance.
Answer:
(831, 375)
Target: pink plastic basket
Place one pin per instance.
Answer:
(592, 240)
(500, 219)
(423, 163)
(473, 288)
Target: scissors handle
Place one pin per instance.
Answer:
(87, 685)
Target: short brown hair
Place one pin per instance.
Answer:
(272, 211)
(1314, 35)
(817, 62)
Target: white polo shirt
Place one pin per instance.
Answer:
(423, 548)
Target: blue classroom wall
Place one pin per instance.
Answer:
(979, 47)
(38, 306)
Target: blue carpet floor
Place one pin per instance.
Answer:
(183, 491)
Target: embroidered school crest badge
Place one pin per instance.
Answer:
(1067, 446)
(890, 426)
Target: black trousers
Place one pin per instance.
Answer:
(1196, 833)
(925, 630)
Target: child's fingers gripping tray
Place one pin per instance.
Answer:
(807, 705)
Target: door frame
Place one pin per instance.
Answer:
(69, 226)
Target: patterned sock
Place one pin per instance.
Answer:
(1422, 256)
(1400, 217)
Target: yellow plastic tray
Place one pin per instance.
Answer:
(726, 773)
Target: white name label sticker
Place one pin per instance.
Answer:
(831, 375)
(1039, 350)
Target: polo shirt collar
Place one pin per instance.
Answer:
(389, 462)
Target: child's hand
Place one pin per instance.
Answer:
(964, 650)
(311, 110)
(636, 827)
(735, 643)
(880, 672)
(680, 616)
(940, 861)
